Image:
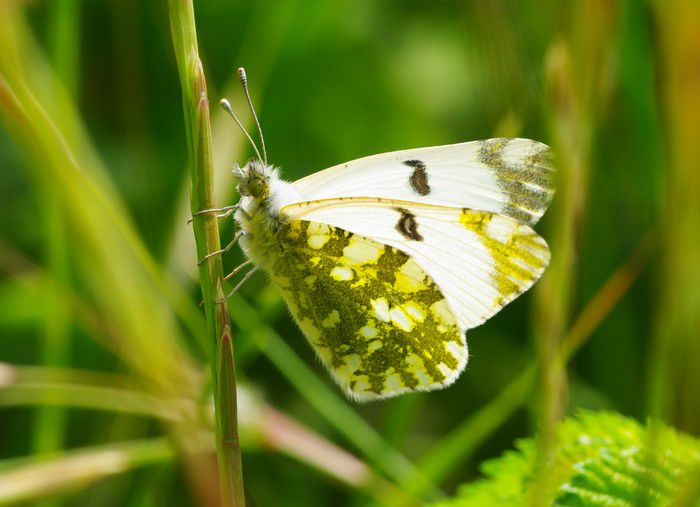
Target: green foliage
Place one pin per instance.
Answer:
(602, 459)
(105, 354)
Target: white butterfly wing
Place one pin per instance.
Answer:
(512, 177)
(479, 260)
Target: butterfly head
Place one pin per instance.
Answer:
(253, 179)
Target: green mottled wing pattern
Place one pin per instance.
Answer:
(480, 260)
(377, 321)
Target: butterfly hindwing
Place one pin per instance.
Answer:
(378, 322)
(479, 260)
(511, 177)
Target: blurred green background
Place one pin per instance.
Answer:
(103, 362)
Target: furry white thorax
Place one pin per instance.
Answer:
(259, 217)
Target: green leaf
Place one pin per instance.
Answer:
(603, 459)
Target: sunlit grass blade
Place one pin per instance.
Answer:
(111, 260)
(119, 276)
(321, 397)
(85, 397)
(261, 426)
(675, 379)
(283, 434)
(401, 415)
(50, 422)
(23, 480)
(689, 494)
(460, 444)
(65, 36)
(576, 70)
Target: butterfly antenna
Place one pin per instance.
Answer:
(244, 83)
(227, 107)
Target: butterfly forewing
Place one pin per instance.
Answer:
(376, 319)
(512, 177)
(479, 260)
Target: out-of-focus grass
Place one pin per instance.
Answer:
(676, 380)
(75, 469)
(122, 279)
(577, 68)
(460, 444)
(93, 237)
(49, 432)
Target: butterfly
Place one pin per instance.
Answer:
(386, 261)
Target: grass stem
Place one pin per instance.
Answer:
(206, 230)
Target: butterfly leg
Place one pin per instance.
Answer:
(221, 212)
(237, 269)
(228, 247)
(243, 280)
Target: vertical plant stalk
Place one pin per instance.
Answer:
(675, 378)
(50, 422)
(554, 291)
(65, 42)
(577, 75)
(206, 231)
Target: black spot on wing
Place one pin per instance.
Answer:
(419, 177)
(407, 225)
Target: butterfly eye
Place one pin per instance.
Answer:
(256, 187)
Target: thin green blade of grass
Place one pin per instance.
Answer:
(118, 271)
(206, 231)
(283, 434)
(22, 480)
(65, 42)
(399, 418)
(25, 68)
(120, 284)
(82, 396)
(262, 426)
(554, 292)
(576, 71)
(459, 445)
(132, 293)
(320, 396)
(50, 422)
(12, 373)
(674, 393)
